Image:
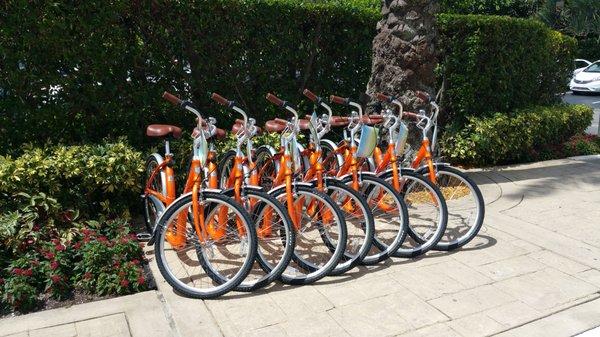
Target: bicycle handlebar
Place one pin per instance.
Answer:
(422, 96)
(310, 95)
(384, 98)
(413, 115)
(172, 98)
(339, 100)
(275, 100)
(221, 100)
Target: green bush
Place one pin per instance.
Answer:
(47, 252)
(589, 48)
(103, 178)
(516, 8)
(496, 63)
(82, 71)
(518, 137)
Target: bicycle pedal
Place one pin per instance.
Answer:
(144, 237)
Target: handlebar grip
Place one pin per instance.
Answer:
(310, 95)
(219, 99)
(172, 98)
(273, 99)
(411, 114)
(422, 96)
(383, 98)
(338, 100)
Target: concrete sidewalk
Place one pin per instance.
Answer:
(533, 270)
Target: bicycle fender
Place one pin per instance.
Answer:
(160, 209)
(159, 160)
(424, 168)
(280, 187)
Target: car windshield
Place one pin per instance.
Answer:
(593, 68)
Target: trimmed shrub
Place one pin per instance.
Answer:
(516, 8)
(103, 178)
(589, 48)
(518, 137)
(496, 63)
(82, 71)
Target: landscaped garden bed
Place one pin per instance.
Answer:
(65, 228)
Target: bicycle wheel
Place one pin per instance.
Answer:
(224, 168)
(359, 224)
(275, 234)
(209, 267)
(152, 211)
(466, 208)
(331, 160)
(266, 167)
(427, 213)
(389, 214)
(318, 216)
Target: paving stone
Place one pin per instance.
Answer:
(369, 318)
(438, 330)
(569, 322)
(590, 276)
(107, 326)
(527, 246)
(19, 334)
(427, 285)
(471, 301)
(467, 276)
(476, 325)
(500, 250)
(321, 324)
(512, 267)
(269, 331)
(248, 313)
(513, 314)
(360, 290)
(301, 301)
(558, 262)
(64, 330)
(414, 310)
(568, 247)
(546, 289)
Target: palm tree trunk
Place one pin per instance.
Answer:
(404, 49)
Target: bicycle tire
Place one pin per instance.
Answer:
(444, 245)
(183, 202)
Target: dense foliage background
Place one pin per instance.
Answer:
(498, 63)
(81, 71)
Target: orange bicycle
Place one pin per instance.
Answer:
(466, 208)
(387, 207)
(205, 242)
(238, 179)
(426, 205)
(359, 219)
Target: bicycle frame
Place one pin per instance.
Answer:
(177, 232)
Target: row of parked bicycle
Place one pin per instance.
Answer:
(299, 213)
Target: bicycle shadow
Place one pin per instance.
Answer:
(483, 242)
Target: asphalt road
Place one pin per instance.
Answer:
(593, 101)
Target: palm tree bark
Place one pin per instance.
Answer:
(404, 49)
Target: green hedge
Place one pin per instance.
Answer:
(82, 71)
(498, 63)
(103, 178)
(589, 48)
(508, 138)
(516, 8)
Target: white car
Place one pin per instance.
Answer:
(586, 79)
